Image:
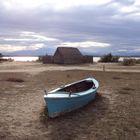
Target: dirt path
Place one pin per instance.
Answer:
(35, 68)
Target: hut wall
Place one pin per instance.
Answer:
(57, 58)
(73, 60)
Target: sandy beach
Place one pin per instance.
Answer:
(113, 115)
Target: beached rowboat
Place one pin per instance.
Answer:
(71, 96)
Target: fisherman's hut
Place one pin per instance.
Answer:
(67, 55)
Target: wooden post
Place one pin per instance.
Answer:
(104, 68)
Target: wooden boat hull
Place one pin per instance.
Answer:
(59, 102)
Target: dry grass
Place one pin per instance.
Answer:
(114, 115)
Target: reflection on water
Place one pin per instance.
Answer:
(20, 58)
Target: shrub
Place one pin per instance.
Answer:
(138, 61)
(129, 62)
(1, 55)
(15, 80)
(40, 59)
(109, 58)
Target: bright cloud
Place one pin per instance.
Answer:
(128, 9)
(85, 44)
(56, 4)
(137, 50)
(10, 48)
(13, 48)
(28, 37)
(62, 4)
(16, 4)
(122, 50)
(37, 36)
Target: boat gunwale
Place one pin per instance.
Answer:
(76, 94)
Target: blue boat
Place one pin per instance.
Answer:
(71, 96)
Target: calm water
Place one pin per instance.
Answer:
(96, 59)
(16, 58)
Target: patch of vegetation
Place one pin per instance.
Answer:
(1, 55)
(40, 59)
(116, 78)
(5, 59)
(68, 76)
(15, 80)
(138, 61)
(109, 58)
(127, 88)
(44, 116)
(129, 62)
(124, 92)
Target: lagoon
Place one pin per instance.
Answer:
(35, 58)
(22, 58)
(96, 59)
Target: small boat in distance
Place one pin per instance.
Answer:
(71, 96)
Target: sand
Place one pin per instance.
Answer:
(113, 115)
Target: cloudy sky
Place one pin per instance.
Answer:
(95, 26)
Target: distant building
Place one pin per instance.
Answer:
(67, 55)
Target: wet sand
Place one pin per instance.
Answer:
(113, 115)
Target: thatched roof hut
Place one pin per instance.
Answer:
(67, 55)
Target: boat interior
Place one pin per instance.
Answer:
(79, 87)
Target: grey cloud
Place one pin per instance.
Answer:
(82, 23)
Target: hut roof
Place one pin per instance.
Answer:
(66, 52)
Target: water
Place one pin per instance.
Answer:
(23, 58)
(96, 59)
(121, 58)
(34, 58)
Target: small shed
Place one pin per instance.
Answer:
(87, 59)
(67, 55)
(48, 59)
